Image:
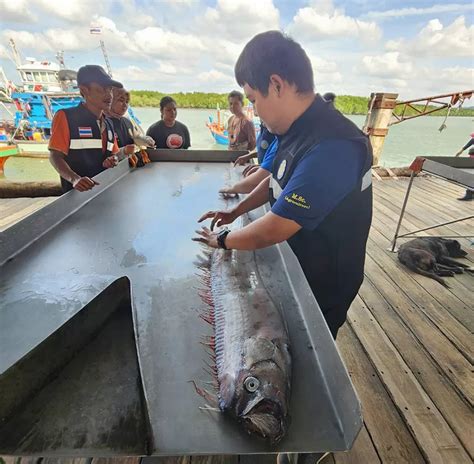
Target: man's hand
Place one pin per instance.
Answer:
(111, 161)
(82, 184)
(219, 218)
(244, 159)
(250, 170)
(207, 237)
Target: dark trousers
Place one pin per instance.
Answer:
(335, 316)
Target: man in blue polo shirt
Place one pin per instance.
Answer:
(320, 188)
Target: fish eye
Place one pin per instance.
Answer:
(251, 384)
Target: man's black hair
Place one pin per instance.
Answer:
(236, 94)
(273, 52)
(166, 101)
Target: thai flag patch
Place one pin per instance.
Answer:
(85, 131)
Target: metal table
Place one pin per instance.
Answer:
(459, 171)
(99, 326)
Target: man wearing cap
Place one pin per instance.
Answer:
(83, 142)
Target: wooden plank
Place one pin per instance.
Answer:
(447, 298)
(20, 214)
(439, 387)
(434, 310)
(427, 190)
(74, 461)
(34, 460)
(459, 290)
(424, 210)
(420, 204)
(420, 215)
(9, 459)
(388, 432)
(450, 360)
(363, 451)
(257, 459)
(433, 435)
(165, 460)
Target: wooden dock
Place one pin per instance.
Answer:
(408, 344)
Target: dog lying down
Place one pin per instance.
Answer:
(433, 257)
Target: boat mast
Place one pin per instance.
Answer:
(60, 58)
(16, 55)
(96, 29)
(106, 58)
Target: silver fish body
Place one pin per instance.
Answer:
(252, 348)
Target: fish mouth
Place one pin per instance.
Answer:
(267, 420)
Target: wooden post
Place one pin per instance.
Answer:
(379, 114)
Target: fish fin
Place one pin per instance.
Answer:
(210, 397)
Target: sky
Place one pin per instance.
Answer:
(415, 48)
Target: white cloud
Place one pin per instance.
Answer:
(65, 39)
(18, 11)
(133, 73)
(325, 21)
(167, 68)
(177, 4)
(450, 79)
(454, 40)
(388, 65)
(326, 73)
(435, 9)
(238, 20)
(214, 76)
(4, 53)
(70, 10)
(157, 42)
(25, 39)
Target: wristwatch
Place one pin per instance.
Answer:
(221, 236)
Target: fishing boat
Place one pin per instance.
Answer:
(46, 87)
(6, 151)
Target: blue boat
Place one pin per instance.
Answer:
(45, 88)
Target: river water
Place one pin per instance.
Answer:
(404, 142)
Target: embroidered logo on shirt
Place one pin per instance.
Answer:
(297, 200)
(264, 144)
(85, 131)
(281, 169)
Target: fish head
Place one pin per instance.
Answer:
(262, 388)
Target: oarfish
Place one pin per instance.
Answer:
(250, 345)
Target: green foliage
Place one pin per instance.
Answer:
(347, 104)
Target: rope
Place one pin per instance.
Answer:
(365, 128)
(443, 125)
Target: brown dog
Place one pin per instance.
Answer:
(433, 257)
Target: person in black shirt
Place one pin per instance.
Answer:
(169, 133)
